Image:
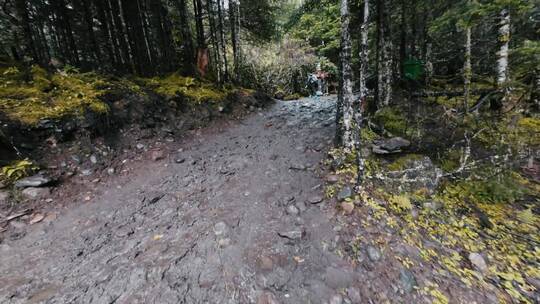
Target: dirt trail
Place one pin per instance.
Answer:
(217, 228)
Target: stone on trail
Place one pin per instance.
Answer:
(407, 280)
(35, 193)
(373, 253)
(478, 262)
(292, 210)
(345, 193)
(33, 181)
(336, 299)
(332, 179)
(347, 207)
(354, 296)
(292, 234)
(220, 228)
(157, 155)
(315, 199)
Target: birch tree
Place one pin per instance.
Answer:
(346, 95)
(502, 54)
(361, 102)
(384, 55)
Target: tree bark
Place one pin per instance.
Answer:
(234, 13)
(346, 95)
(360, 103)
(467, 70)
(504, 40)
(384, 56)
(222, 40)
(22, 12)
(188, 51)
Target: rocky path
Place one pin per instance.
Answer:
(235, 218)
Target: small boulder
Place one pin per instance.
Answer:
(292, 210)
(347, 207)
(373, 253)
(407, 280)
(332, 179)
(35, 193)
(33, 181)
(267, 298)
(345, 193)
(295, 234)
(478, 262)
(157, 155)
(315, 199)
(390, 146)
(220, 228)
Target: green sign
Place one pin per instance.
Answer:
(413, 69)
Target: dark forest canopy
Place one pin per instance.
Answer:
(143, 37)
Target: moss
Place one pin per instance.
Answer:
(393, 120)
(400, 203)
(402, 162)
(449, 162)
(529, 130)
(175, 85)
(294, 96)
(368, 135)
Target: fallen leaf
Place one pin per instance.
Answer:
(158, 237)
(37, 218)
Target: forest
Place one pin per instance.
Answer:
(176, 151)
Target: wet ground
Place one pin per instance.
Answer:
(233, 218)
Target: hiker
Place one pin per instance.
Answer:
(322, 81)
(312, 84)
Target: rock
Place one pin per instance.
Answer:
(2, 185)
(33, 181)
(344, 193)
(4, 197)
(347, 207)
(265, 263)
(224, 242)
(35, 193)
(157, 155)
(299, 167)
(292, 234)
(478, 262)
(267, 298)
(139, 146)
(110, 171)
(315, 199)
(373, 253)
(392, 145)
(332, 179)
(86, 172)
(301, 206)
(354, 295)
(180, 160)
(93, 159)
(292, 210)
(407, 280)
(336, 299)
(414, 175)
(220, 228)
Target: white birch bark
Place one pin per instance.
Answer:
(502, 54)
(361, 103)
(346, 74)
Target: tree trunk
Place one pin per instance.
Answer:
(188, 52)
(428, 47)
(384, 56)
(120, 35)
(22, 12)
(234, 13)
(137, 40)
(89, 20)
(222, 40)
(403, 39)
(346, 76)
(504, 40)
(110, 46)
(467, 70)
(360, 103)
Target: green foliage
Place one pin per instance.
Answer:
(319, 25)
(17, 170)
(294, 96)
(402, 162)
(392, 119)
(505, 188)
(175, 85)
